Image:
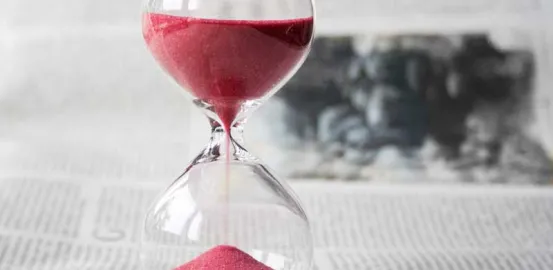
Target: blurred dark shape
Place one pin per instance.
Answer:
(329, 122)
(304, 105)
(471, 77)
(447, 116)
(472, 101)
(396, 117)
(404, 68)
(477, 67)
(316, 85)
(489, 95)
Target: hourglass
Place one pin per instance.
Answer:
(227, 210)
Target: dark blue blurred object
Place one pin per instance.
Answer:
(402, 96)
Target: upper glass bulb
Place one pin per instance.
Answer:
(229, 54)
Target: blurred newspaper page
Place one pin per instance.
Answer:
(68, 224)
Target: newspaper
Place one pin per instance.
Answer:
(84, 224)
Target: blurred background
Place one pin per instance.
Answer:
(460, 93)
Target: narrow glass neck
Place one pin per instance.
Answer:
(222, 146)
(219, 134)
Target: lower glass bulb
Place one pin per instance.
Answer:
(224, 213)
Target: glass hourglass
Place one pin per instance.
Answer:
(227, 210)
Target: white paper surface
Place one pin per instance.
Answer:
(72, 223)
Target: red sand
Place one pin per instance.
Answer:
(226, 62)
(224, 257)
